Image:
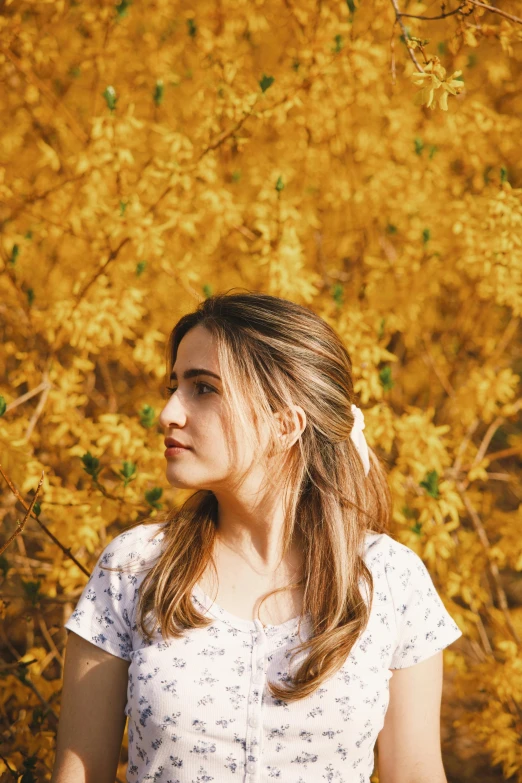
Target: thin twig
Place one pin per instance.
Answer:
(46, 530)
(48, 93)
(39, 408)
(446, 385)
(456, 468)
(496, 11)
(27, 396)
(20, 525)
(486, 440)
(406, 36)
(112, 255)
(433, 18)
(492, 566)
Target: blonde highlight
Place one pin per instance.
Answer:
(274, 353)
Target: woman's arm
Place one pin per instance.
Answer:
(408, 745)
(92, 714)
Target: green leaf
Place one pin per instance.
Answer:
(3, 405)
(486, 174)
(433, 150)
(265, 82)
(29, 765)
(140, 268)
(503, 174)
(391, 229)
(28, 235)
(128, 472)
(351, 6)
(338, 44)
(152, 496)
(236, 176)
(122, 7)
(4, 565)
(91, 465)
(441, 47)
(37, 508)
(146, 415)
(417, 528)
(14, 254)
(472, 60)
(385, 377)
(123, 207)
(419, 145)
(31, 590)
(110, 97)
(431, 483)
(380, 333)
(408, 512)
(295, 65)
(30, 296)
(207, 290)
(192, 28)
(23, 671)
(426, 234)
(158, 92)
(279, 184)
(337, 294)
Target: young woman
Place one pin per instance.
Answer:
(274, 629)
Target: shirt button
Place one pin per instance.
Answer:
(252, 721)
(251, 767)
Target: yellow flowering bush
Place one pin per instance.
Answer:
(154, 153)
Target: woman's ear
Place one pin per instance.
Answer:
(291, 425)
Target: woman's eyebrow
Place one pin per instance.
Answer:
(193, 372)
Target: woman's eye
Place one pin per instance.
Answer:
(198, 384)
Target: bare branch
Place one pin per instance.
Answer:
(496, 11)
(405, 34)
(433, 18)
(46, 530)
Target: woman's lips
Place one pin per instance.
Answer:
(172, 451)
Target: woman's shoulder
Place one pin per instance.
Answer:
(384, 542)
(134, 545)
(384, 553)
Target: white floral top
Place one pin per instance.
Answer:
(198, 707)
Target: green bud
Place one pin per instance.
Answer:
(265, 82)
(146, 415)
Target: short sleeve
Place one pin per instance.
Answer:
(424, 626)
(104, 611)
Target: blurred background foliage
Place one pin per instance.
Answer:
(360, 158)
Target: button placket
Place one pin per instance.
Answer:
(254, 723)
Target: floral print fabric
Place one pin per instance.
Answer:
(198, 707)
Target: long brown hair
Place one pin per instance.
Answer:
(274, 353)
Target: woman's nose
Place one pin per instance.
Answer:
(172, 413)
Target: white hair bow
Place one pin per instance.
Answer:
(358, 437)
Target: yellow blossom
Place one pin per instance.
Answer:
(435, 86)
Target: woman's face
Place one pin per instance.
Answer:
(193, 416)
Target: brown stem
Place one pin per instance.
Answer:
(48, 93)
(433, 18)
(492, 567)
(112, 255)
(496, 11)
(46, 530)
(405, 34)
(27, 395)
(21, 525)
(39, 408)
(444, 382)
